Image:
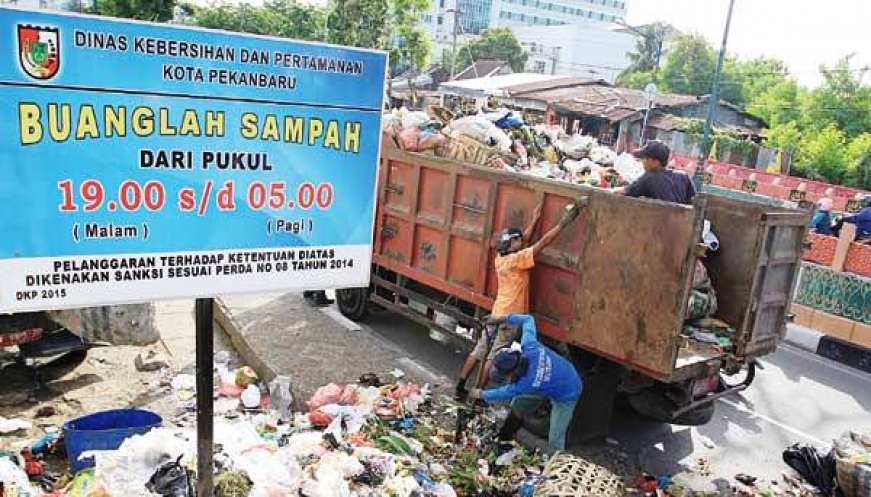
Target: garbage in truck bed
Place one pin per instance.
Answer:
(500, 139)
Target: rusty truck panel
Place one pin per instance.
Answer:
(636, 272)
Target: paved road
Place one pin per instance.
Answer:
(798, 397)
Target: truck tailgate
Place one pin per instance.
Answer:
(756, 269)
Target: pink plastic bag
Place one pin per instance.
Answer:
(328, 394)
(333, 394)
(409, 139)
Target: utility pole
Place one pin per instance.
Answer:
(712, 107)
(456, 12)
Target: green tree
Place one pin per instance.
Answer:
(689, 68)
(786, 136)
(143, 10)
(859, 162)
(359, 23)
(823, 154)
(284, 18)
(414, 43)
(779, 104)
(841, 100)
(637, 80)
(494, 44)
(648, 49)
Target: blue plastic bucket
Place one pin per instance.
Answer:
(104, 430)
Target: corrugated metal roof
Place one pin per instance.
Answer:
(562, 82)
(480, 69)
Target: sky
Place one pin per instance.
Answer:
(803, 33)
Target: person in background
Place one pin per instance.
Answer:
(822, 221)
(317, 298)
(862, 220)
(533, 374)
(513, 265)
(657, 182)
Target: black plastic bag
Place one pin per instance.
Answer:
(171, 480)
(818, 470)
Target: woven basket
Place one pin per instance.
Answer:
(566, 475)
(468, 150)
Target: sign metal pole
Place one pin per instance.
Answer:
(205, 395)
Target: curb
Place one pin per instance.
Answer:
(834, 349)
(233, 330)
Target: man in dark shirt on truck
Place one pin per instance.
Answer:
(657, 182)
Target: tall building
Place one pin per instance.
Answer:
(556, 12)
(474, 16)
(41, 4)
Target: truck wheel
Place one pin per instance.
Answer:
(697, 417)
(353, 303)
(743, 376)
(652, 403)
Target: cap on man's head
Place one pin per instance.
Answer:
(654, 149)
(505, 362)
(504, 244)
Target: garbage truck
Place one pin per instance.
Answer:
(611, 291)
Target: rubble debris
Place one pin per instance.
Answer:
(46, 412)
(12, 425)
(233, 484)
(746, 479)
(150, 362)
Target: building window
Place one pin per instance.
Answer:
(540, 66)
(442, 4)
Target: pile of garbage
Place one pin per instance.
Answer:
(370, 438)
(499, 138)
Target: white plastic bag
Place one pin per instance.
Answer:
(414, 119)
(15, 479)
(126, 471)
(577, 146)
(629, 167)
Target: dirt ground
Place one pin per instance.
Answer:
(80, 384)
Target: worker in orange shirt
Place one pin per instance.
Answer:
(513, 263)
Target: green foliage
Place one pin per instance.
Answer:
(414, 47)
(359, 23)
(785, 136)
(284, 18)
(690, 66)
(778, 104)
(494, 44)
(143, 10)
(637, 80)
(859, 162)
(648, 48)
(823, 154)
(842, 100)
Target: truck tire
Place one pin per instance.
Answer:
(697, 417)
(744, 376)
(353, 303)
(653, 404)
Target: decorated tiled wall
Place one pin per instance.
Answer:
(844, 295)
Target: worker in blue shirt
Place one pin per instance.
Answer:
(532, 374)
(862, 220)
